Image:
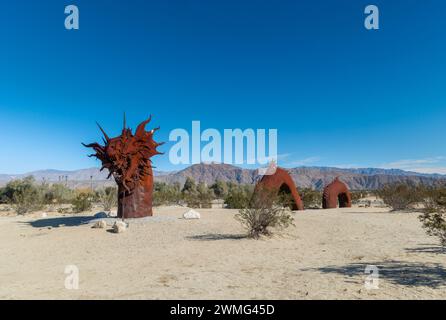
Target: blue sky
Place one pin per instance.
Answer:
(339, 95)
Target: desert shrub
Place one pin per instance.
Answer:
(264, 213)
(199, 196)
(312, 199)
(82, 201)
(434, 198)
(434, 221)
(164, 194)
(189, 185)
(58, 194)
(220, 189)
(358, 195)
(3, 198)
(191, 199)
(238, 197)
(107, 197)
(63, 210)
(401, 196)
(434, 213)
(24, 195)
(189, 193)
(205, 195)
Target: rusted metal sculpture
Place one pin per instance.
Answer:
(335, 192)
(127, 158)
(281, 181)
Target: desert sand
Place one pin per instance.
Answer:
(323, 257)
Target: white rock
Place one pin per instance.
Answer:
(44, 214)
(101, 224)
(191, 214)
(119, 227)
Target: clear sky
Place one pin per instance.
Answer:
(339, 95)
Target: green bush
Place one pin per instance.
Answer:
(434, 213)
(197, 196)
(264, 213)
(312, 199)
(58, 194)
(165, 194)
(358, 195)
(238, 197)
(3, 198)
(401, 196)
(82, 201)
(24, 195)
(434, 221)
(220, 189)
(205, 195)
(107, 197)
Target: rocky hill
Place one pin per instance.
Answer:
(313, 177)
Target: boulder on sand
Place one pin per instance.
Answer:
(191, 214)
(101, 224)
(119, 227)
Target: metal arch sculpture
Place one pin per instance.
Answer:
(334, 192)
(281, 180)
(127, 158)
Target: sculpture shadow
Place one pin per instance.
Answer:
(60, 222)
(397, 272)
(217, 237)
(427, 248)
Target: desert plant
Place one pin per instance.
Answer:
(3, 199)
(82, 201)
(164, 194)
(434, 197)
(312, 199)
(58, 194)
(238, 197)
(220, 189)
(264, 213)
(108, 197)
(434, 213)
(205, 195)
(189, 185)
(434, 221)
(400, 196)
(357, 195)
(24, 195)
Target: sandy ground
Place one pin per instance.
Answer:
(323, 257)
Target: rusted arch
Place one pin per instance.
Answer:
(335, 192)
(281, 181)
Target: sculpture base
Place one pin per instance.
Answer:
(136, 204)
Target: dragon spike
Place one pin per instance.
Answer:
(154, 130)
(141, 128)
(91, 145)
(125, 124)
(103, 132)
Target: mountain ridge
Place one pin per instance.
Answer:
(304, 176)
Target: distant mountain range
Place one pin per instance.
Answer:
(308, 177)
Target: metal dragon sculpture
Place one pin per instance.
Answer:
(127, 158)
(336, 191)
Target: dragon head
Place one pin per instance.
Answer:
(127, 157)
